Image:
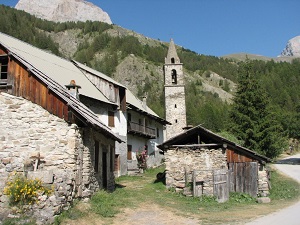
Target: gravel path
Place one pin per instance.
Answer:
(290, 215)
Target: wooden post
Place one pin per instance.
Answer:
(194, 183)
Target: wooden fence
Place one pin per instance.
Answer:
(240, 177)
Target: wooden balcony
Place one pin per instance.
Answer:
(141, 130)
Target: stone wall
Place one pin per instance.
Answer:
(180, 164)
(29, 132)
(263, 183)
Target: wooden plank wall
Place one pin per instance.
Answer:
(243, 177)
(28, 86)
(233, 156)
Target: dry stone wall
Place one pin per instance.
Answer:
(180, 164)
(29, 132)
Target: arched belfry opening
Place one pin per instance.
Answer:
(174, 76)
(173, 60)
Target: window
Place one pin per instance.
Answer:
(175, 106)
(96, 157)
(157, 132)
(3, 67)
(176, 121)
(174, 77)
(129, 152)
(111, 119)
(172, 60)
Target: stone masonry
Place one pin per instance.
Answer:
(180, 164)
(29, 132)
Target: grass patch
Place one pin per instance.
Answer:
(72, 214)
(133, 191)
(283, 187)
(24, 220)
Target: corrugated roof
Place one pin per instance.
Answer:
(59, 69)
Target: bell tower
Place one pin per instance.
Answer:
(175, 108)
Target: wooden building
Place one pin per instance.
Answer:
(213, 165)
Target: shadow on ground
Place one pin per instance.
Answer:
(290, 161)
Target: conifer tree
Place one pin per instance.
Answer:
(252, 119)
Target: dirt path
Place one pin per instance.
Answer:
(152, 215)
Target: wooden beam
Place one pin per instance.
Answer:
(197, 145)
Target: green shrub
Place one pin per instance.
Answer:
(22, 191)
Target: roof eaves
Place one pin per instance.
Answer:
(161, 120)
(74, 103)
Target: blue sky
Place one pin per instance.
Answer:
(210, 27)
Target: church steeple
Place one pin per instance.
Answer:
(175, 107)
(172, 56)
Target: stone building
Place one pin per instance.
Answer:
(213, 165)
(175, 108)
(111, 101)
(46, 132)
(71, 126)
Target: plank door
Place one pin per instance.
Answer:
(220, 182)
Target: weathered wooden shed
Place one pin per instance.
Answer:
(213, 165)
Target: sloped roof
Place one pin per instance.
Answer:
(192, 136)
(59, 69)
(25, 57)
(97, 73)
(63, 71)
(138, 105)
(131, 99)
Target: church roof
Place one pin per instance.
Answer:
(172, 53)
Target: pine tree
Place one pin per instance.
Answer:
(252, 119)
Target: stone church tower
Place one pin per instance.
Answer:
(175, 108)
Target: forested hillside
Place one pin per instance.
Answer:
(137, 62)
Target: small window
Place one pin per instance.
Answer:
(175, 106)
(111, 119)
(3, 67)
(157, 132)
(129, 152)
(176, 121)
(172, 60)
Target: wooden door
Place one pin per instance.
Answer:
(243, 177)
(220, 182)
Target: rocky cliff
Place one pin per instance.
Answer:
(292, 48)
(64, 10)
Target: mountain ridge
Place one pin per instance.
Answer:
(64, 10)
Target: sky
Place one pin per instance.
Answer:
(209, 27)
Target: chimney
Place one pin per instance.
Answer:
(73, 89)
(145, 102)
